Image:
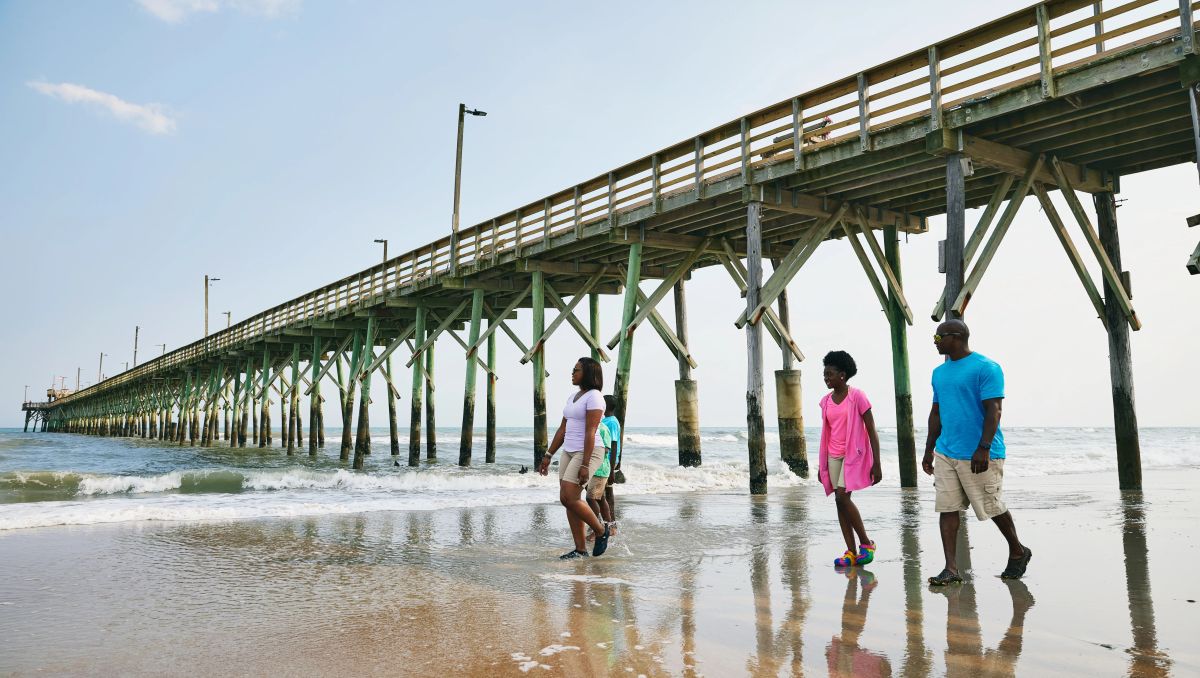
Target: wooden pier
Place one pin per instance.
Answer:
(1063, 96)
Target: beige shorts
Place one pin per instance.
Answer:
(568, 466)
(957, 487)
(837, 473)
(595, 488)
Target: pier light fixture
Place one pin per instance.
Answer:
(228, 318)
(163, 347)
(207, 283)
(462, 112)
(100, 371)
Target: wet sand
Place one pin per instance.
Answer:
(695, 584)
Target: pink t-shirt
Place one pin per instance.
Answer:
(575, 412)
(841, 418)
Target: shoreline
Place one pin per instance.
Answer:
(699, 583)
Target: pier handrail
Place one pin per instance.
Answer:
(1032, 45)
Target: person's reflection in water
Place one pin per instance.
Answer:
(1145, 657)
(843, 654)
(764, 662)
(965, 655)
(688, 518)
(918, 659)
(793, 570)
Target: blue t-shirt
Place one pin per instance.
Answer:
(959, 389)
(614, 428)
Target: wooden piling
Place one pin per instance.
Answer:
(540, 442)
(956, 228)
(314, 399)
(393, 424)
(594, 322)
(264, 426)
(793, 447)
(430, 406)
(1120, 362)
(755, 428)
(906, 443)
(348, 403)
(633, 276)
(467, 437)
(247, 404)
(362, 446)
(687, 397)
(490, 445)
(414, 426)
(293, 400)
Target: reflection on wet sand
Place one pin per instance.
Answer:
(965, 654)
(843, 654)
(1145, 657)
(918, 659)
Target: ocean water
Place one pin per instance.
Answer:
(65, 479)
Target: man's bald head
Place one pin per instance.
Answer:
(954, 326)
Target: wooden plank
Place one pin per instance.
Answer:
(864, 114)
(1045, 51)
(674, 344)
(1186, 30)
(432, 336)
(1111, 275)
(333, 358)
(1064, 239)
(563, 314)
(391, 348)
(861, 255)
(790, 265)
(499, 322)
(993, 243)
(495, 321)
(797, 134)
(981, 228)
(886, 269)
(775, 325)
(794, 202)
(598, 352)
(756, 432)
(661, 291)
(935, 89)
(1014, 161)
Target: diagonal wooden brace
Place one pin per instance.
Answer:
(1193, 262)
(1111, 276)
(450, 318)
(790, 265)
(333, 358)
(861, 255)
(279, 366)
(981, 228)
(390, 349)
(657, 295)
(497, 321)
(993, 243)
(775, 325)
(563, 314)
(583, 332)
(884, 267)
(673, 342)
(459, 340)
(1064, 238)
(420, 363)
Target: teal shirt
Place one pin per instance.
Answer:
(959, 389)
(614, 430)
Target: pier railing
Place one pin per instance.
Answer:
(1033, 45)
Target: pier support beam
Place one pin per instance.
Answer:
(905, 436)
(265, 393)
(490, 445)
(687, 398)
(362, 446)
(540, 442)
(1120, 364)
(314, 398)
(430, 406)
(793, 448)
(956, 229)
(348, 401)
(293, 432)
(633, 276)
(467, 437)
(418, 383)
(594, 322)
(393, 422)
(755, 428)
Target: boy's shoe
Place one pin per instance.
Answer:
(848, 559)
(601, 543)
(572, 555)
(866, 553)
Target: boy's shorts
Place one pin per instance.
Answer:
(595, 488)
(957, 487)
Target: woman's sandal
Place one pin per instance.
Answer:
(866, 553)
(945, 578)
(848, 559)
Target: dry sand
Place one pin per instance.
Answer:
(695, 584)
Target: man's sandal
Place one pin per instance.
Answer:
(945, 578)
(1016, 566)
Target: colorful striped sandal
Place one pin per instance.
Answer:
(847, 559)
(866, 553)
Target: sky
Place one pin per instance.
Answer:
(147, 143)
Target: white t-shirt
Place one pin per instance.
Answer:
(575, 413)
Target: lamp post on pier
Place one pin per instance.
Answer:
(383, 241)
(228, 317)
(26, 394)
(163, 347)
(207, 283)
(136, 330)
(462, 112)
(100, 370)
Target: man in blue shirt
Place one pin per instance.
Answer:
(964, 450)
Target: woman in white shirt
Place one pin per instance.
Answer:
(583, 452)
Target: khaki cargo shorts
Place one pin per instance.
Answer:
(595, 488)
(957, 486)
(568, 467)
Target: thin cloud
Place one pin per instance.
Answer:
(175, 11)
(149, 117)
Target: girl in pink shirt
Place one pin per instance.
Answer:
(849, 453)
